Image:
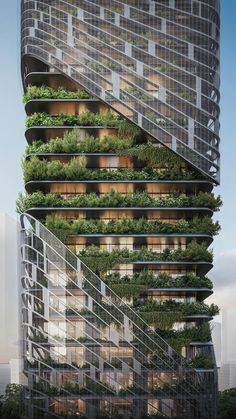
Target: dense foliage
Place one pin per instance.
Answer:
(46, 92)
(86, 118)
(75, 169)
(227, 404)
(11, 403)
(177, 339)
(101, 261)
(71, 142)
(125, 225)
(115, 199)
(202, 361)
(147, 280)
(187, 309)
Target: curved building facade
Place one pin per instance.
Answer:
(122, 129)
(155, 62)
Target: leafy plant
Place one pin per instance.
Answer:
(86, 118)
(11, 403)
(177, 339)
(37, 169)
(187, 309)
(147, 279)
(101, 261)
(115, 199)
(227, 404)
(71, 142)
(202, 361)
(135, 226)
(46, 92)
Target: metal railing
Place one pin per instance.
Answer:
(106, 320)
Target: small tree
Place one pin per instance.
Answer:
(11, 404)
(227, 404)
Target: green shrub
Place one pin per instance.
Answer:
(102, 261)
(38, 169)
(202, 361)
(11, 402)
(113, 199)
(55, 169)
(86, 118)
(187, 309)
(75, 168)
(149, 280)
(177, 339)
(227, 404)
(46, 92)
(138, 226)
(34, 169)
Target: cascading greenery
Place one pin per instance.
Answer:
(186, 309)
(114, 199)
(101, 261)
(197, 225)
(46, 92)
(162, 315)
(159, 164)
(177, 339)
(159, 157)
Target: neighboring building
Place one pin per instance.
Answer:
(122, 131)
(217, 340)
(9, 302)
(228, 335)
(227, 375)
(224, 338)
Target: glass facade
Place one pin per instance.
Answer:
(122, 128)
(89, 353)
(156, 62)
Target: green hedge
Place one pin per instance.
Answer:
(46, 92)
(117, 200)
(197, 225)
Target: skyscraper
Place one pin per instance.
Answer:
(122, 130)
